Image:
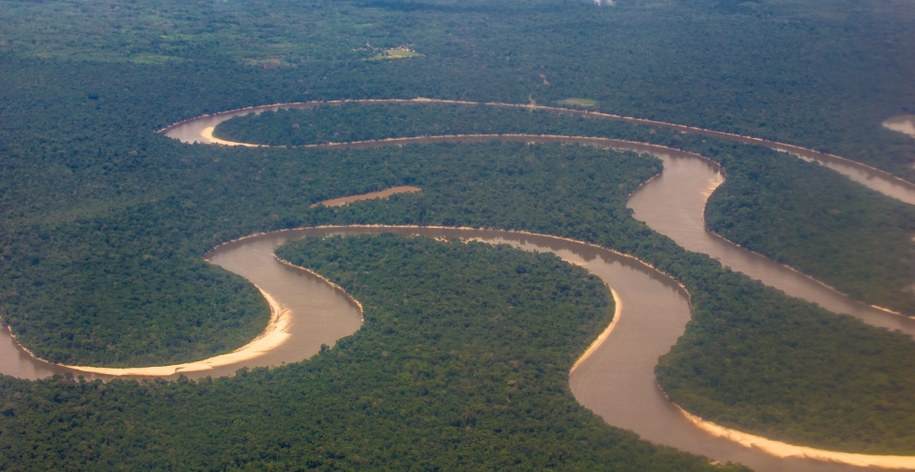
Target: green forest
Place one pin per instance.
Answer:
(794, 212)
(434, 380)
(106, 223)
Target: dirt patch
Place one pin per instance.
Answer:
(343, 201)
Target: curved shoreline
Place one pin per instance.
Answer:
(785, 450)
(869, 176)
(207, 135)
(775, 448)
(812, 279)
(904, 124)
(599, 340)
(275, 334)
(634, 146)
(342, 291)
(768, 446)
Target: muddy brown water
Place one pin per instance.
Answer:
(617, 381)
(673, 204)
(191, 131)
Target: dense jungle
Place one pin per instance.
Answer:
(106, 223)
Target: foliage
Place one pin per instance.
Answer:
(577, 102)
(812, 219)
(795, 212)
(462, 364)
(89, 189)
(119, 288)
(401, 52)
(780, 369)
(822, 75)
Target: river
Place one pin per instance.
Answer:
(200, 129)
(617, 380)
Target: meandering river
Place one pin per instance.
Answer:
(653, 308)
(200, 129)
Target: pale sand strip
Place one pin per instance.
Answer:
(617, 311)
(342, 201)
(879, 180)
(901, 124)
(207, 135)
(785, 450)
(772, 447)
(275, 334)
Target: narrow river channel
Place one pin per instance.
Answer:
(617, 380)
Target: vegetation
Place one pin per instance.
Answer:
(105, 222)
(128, 258)
(663, 59)
(812, 219)
(462, 364)
(578, 102)
(797, 213)
(779, 369)
(813, 352)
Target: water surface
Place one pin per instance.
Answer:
(617, 381)
(673, 204)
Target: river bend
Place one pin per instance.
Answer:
(653, 308)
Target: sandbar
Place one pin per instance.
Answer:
(343, 201)
(207, 135)
(275, 334)
(904, 124)
(785, 450)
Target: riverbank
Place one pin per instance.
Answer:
(904, 124)
(274, 335)
(517, 137)
(785, 450)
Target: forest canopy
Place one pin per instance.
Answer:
(105, 221)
